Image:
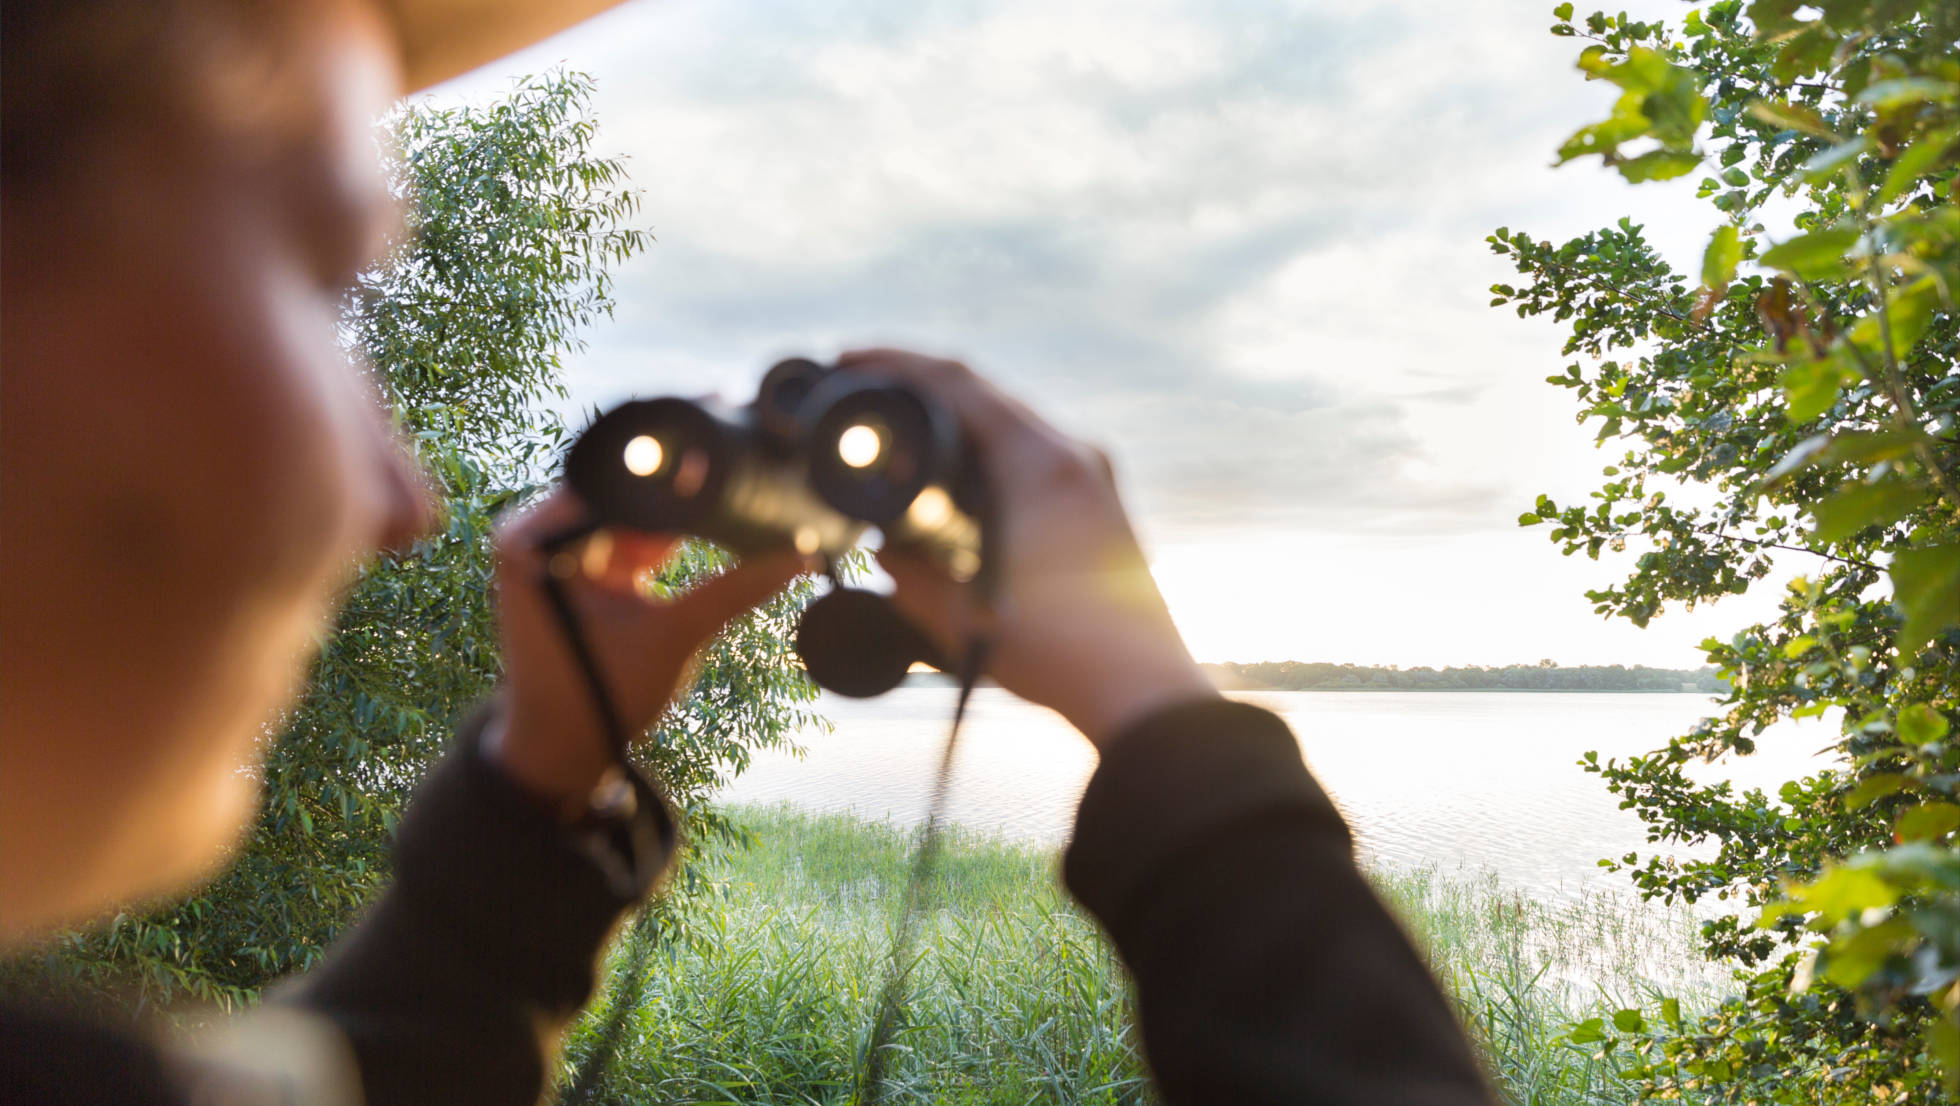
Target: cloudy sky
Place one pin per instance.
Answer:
(1238, 243)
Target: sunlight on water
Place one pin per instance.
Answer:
(1473, 781)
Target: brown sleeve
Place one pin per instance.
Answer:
(1266, 968)
(488, 936)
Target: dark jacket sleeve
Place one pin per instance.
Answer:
(487, 939)
(1266, 969)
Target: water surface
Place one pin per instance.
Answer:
(1481, 781)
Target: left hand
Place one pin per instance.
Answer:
(552, 741)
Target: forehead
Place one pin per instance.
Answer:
(309, 85)
(355, 75)
(282, 116)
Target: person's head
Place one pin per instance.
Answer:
(190, 466)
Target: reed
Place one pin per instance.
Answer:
(1014, 995)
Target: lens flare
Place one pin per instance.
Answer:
(931, 509)
(643, 455)
(859, 446)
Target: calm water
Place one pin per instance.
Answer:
(1484, 781)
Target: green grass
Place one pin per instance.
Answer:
(1016, 998)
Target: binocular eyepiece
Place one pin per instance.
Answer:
(820, 456)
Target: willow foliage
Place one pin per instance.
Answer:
(505, 261)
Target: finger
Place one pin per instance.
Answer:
(521, 537)
(612, 557)
(929, 598)
(705, 608)
(617, 559)
(990, 414)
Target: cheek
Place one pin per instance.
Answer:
(186, 493)
(270, 519)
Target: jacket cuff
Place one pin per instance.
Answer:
(479, 857)
(1173, 787)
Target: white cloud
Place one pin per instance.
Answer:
(1239, 241)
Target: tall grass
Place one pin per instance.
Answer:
(1014, 997)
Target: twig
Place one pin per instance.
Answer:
(1855, 562)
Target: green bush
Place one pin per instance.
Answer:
(1803, 384)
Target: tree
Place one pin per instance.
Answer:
(1803, 386)
(505, 260)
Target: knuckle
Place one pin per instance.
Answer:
(1064, 466)
(1104, 463)
(947, 373)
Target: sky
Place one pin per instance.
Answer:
(1238, 244)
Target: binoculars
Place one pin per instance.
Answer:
(819, 458)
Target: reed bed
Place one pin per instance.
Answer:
(1014, 997)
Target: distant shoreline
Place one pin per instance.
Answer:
(940, 679)
(1483, 690)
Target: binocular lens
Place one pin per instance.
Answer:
(643, 455)
(655, 464)
(860, 446)
(873, 448)
(779, 402)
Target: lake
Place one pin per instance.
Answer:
(1479, 781)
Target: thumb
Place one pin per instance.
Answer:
(706, 607)
(928, 598)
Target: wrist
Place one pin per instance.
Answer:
(1108, 707)
(545, 766)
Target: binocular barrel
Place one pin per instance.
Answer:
(819, 456)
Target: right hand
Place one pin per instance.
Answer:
(1077, 622)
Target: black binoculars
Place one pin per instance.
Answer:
(817, 459)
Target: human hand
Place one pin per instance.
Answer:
(1077, 622)
(552, 740)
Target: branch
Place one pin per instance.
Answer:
(1853, 561)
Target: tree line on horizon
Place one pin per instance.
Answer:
(1543, 676)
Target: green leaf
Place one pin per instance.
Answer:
(1932, 148)
(1662, 100)
(1803, 54)
(1642, 70)
(1864, 447)
(1920, 723)
(1854, 507)
(1604, 137)
(1943, 1045)
(1719, 260)
(1801, 456)
(1590, 1031)
(1813, 256)
(1849, 961)
(1671, 1012)
(1873, 788)
(1927, 822)
(1529, 519)
(1844, 890)
(1563, 11)
(1908, 314)
(1810, 387)
(1628, 1021)
(1772, 17)
(1926, 588)
(1791, 117)
(1658, 165)
(1826, 164)
(1907, 90)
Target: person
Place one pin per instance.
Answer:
(190, 469)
